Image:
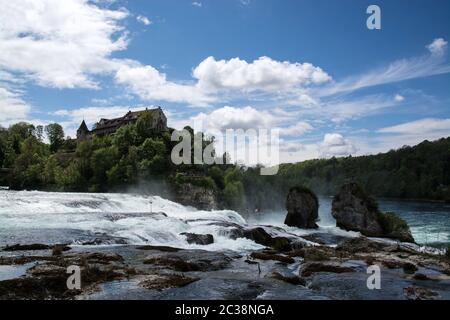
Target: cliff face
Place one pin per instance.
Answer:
(196, 196)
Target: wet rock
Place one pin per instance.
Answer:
(314, 253)
(395, 227)
(295, 280)
(196, 195)
(354, 210)
(259, 235)
(164, 281)
(303, 208)
(283, 244)
(201, 239)
(191, 260)
(27, 247)
(312, 267)
(271, 256)
(407, 267)
(420, 276)
(324, 238)
(24, 259)
(360, 244)
(47, 280)
(417, 293)
(158, 248)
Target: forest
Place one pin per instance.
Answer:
(137, 158)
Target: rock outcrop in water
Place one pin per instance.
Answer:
(303, 208)
(200, 197)
(354, 210)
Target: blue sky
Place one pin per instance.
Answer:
(312, 69)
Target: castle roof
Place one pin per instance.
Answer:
(129, 116)
(83, 126)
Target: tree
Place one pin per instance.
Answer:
(55, 134)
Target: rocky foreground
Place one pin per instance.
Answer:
(287, 268)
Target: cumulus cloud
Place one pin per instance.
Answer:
(335, 145)
(263, 74)
(248, 117)
(234, 118)
(197, 4)
(59, 44)
(150, 84)
(144, 20)
(438, 46)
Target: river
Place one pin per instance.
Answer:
(107, 219)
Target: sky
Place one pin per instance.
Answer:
(312, 70)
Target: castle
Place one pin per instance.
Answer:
(110, 126)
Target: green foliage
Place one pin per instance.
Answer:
(392, 223)
(55, 134)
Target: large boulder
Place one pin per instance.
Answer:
(303, 208)
(354, 210)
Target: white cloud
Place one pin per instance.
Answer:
(12, 107)
(399, 98)
(144, 20)
(263, 74)
(59, 44)
(297, 129)
(234, 118)
(438, 46)
(400, 70)
(335, 145)
(197, 4)
(420, 127)
(150, 84)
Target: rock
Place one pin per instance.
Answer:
(164, 281)
(416, 293)
(158, 248)
(395, 227)
(200, 197)
(271, 256)
(314, 253)
(312, 267)
(420, 276)
(295, 280)
(27, 247)
(201, 239)
(356, 211)
(360, 245)
(259, 235)
(190, 260)
(303, 208)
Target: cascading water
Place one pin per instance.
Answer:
(115, 218)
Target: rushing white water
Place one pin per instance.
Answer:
(137, 219)
(80, 218)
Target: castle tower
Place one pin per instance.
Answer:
(82, 132)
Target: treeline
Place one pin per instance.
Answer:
(137, 157)
(419, 172)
